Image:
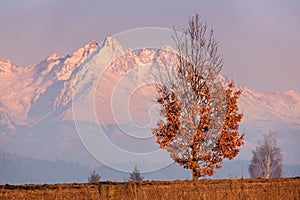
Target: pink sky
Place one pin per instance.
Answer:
(260, 40)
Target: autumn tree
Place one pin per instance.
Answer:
(135, 175)
(200, 118)
(267, 159)
(94, 177)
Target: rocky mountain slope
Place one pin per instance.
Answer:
(38, 103)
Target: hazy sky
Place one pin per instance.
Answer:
(260, 40)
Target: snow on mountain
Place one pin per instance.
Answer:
(263, 106)
(25, 90)
(36, 101)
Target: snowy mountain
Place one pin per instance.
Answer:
(39, 103)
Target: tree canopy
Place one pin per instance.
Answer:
(135, 175)
(200, 118)
(267, 159)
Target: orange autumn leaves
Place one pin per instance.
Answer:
(200, 118)
(188, 131)
(230, 139)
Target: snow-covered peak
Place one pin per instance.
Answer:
(249, 92)
(108, 41)
(2, 62)
(293, 94)
(6, 66)
(92, 46)
(146, 55)
(54, 56)
(76, 59)
(168, 48)
(111, 42)
(84, 52)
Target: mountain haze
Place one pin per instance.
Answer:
(37, 104)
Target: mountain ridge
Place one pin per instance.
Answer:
(32, 96)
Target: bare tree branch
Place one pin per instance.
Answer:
(267, 159)
(200, 115)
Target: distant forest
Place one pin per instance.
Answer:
(15, 169)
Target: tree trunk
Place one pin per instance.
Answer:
(268, 162)
(195, 177)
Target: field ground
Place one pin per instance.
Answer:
(279, 188)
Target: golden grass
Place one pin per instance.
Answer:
(279, 188)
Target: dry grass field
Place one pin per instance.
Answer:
(279, 188)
